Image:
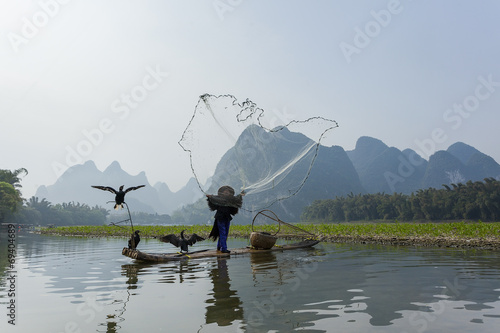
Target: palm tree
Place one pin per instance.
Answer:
(12, 177)
(10, 199)
(43, 206)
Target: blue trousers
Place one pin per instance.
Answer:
(223, 226)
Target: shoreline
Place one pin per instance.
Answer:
(463, 235)
(422, 241)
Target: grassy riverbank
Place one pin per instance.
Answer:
(460, 234)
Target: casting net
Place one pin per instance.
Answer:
(266, 154)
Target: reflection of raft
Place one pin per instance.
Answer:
(164, 257)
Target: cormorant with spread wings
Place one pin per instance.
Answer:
(181, 242)
(120, 194)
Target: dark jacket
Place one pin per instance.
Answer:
(221, 213)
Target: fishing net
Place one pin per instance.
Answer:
(239, 144)
(266, 221)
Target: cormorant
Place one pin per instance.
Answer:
(134, 240)
(120, 194)
(181, 242)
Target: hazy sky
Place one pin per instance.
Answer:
(119, 80)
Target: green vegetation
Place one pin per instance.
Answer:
(42, 212)
(146, 218)
(147, 231)
(13, 177)
(458, 230)
(461, 230)
(9, 200)
(10, 196)
(470, 201)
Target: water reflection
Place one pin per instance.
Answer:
(131, 271)
(278, 283)
(180, 271)
(119, 306)
(352, 286)
(263, 264)
(413, 293)
(225, 306)
(347, 288)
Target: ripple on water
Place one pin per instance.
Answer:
(349, 287)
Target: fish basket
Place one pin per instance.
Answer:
(263, 240)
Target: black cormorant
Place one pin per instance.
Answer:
(134, 240)
(181, 242)
(120, 194)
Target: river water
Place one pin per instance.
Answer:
(68, 284)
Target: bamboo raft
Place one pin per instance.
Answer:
(165, 257)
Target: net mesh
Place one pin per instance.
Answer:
(241, 145)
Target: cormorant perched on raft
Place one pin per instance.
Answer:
(134, 240)
(181, 242)
(120, 195)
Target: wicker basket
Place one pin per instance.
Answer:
(262, 240)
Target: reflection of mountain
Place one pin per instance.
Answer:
(378, 281)
(346, 287)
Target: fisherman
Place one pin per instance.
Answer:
(226, 204)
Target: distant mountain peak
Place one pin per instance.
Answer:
(367, 148)
(90, 164)
(369, 142)
(371, 167)
(366, 151)
(113, 167)
(413, 157)
(462, 151)
(161, 186)
(192, 181)
(86, 168)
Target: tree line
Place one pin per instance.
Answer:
(478, 200)
(469, 201)
(10, 194)
(42, 212)
(15, 209)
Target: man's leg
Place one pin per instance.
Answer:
(223, 232)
